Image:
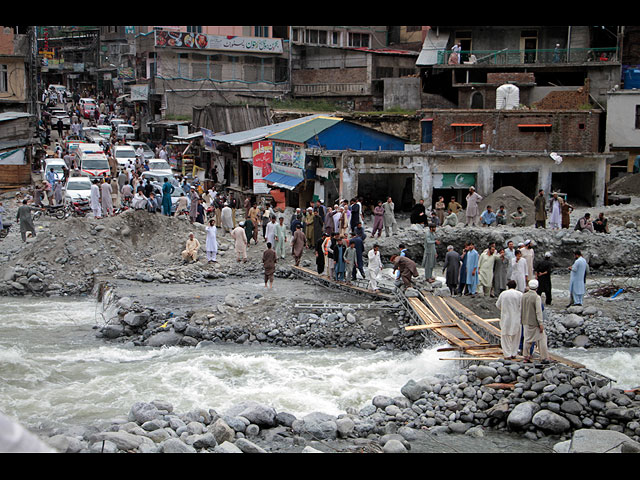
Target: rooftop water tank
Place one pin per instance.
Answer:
(507, 97)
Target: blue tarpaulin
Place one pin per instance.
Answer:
(283, 181)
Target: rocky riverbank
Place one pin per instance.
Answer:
(549, 405)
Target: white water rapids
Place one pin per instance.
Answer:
(55, 373)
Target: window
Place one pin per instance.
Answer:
(317, 37)
(467, 133)
(4, 78)
(260, 31)
(335, 38)
(192, 29)
(535, 127)
(358, 39)
(427, 130)
(384, 72)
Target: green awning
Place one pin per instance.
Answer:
(303, 132)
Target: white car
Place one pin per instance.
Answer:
(56, 164)
(159, 166)
(124, 153)
(77, 188)
(147, 152)
(62, 115)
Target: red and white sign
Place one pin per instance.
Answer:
(262, 160)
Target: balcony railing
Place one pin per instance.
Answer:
(535, 57)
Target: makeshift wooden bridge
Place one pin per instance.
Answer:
(356, 287)
(475, 338)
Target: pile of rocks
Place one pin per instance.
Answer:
(535, 401)
(257, 323)
(579, 326)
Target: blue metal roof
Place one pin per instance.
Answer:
(283, 181)
(346, 135)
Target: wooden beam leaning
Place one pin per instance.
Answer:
(480, 322)
(438, 305)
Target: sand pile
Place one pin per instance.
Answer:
(511, 198)
(626, 185)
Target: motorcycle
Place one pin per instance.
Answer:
(78, 208)
(57, 211)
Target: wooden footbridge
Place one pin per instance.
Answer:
(474, 338)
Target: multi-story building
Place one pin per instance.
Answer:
(346, 65)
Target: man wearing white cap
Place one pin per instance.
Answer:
(510, 305)
(532, 326)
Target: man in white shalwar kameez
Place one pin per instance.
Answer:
(270, 231)
(374, 267)
(95, 200)
(227, 218)
(555, 207)
(212, 242)
(519, 271)
(510, 305)
(107, 201)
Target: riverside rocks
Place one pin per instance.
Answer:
(259, 321)
(546, 402)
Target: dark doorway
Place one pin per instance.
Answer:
(578, 187)
(398, 186)
(525, 182)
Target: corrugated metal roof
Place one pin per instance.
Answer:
(433, 43)
(5, 116)
(248, 136)
(303, 132)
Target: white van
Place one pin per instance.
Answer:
(95, 165)
(124, 131)
(92, 160)
(123, 154)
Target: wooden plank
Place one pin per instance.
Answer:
(438, 305)
(480, 322)
(484, 359)
(429, 327)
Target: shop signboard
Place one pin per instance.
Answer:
(262, 163)
(201, 41)
(290, 155)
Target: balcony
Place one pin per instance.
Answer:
(540, 57)
(331, 89)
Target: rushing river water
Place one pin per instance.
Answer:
(55, 373)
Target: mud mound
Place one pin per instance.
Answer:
(511, 198)
(626, 184)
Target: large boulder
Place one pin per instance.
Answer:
(550, 422)
(599, 441)
(522, 414)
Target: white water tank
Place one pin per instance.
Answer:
(507, 97)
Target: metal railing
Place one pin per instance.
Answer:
(537, 57)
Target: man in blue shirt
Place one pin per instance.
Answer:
(488, 218)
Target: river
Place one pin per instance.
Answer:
(56, 374)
